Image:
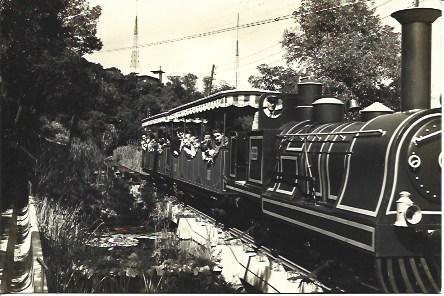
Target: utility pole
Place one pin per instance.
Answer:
(210, 87)
(159, 72)
(237, 50)
(1, 127)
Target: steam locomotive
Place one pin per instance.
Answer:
(373, 185)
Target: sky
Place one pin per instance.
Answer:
(169, 19)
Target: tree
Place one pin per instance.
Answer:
(184, 88)
(275, 78)
(348, 48)
(43, 76)
(80, 22)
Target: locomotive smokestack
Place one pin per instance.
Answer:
(416, 56)
(308, 92)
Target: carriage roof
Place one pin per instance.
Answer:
(237, 98)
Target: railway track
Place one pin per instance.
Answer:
(290, 266)
(334, 271)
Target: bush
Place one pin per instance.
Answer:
(129, 156)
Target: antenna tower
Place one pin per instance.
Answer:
(134, 67)
(237, 50)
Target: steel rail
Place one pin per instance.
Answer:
(246, 238)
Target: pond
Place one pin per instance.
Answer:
(131, 260)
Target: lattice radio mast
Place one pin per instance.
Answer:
(134, 67)
(237, 50)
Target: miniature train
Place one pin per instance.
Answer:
(373, 185)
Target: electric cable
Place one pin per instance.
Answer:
(232, 28)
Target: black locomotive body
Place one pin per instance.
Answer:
(373, 185)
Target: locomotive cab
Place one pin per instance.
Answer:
(253, 152)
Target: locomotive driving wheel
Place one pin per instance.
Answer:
(409, 274)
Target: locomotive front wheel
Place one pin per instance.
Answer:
(408, 275)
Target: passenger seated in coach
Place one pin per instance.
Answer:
(152, 143)
(189, 144)
(144, 142)
(176, 141)
(162, 141)
(207, 142)
(219, 138)
(208, 148)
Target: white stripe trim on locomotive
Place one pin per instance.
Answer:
(243, 191)
(295, 126)
(359, 210)
(298, 125)
(320, 230)
(398, 152)
(272, 188)
(331, 196)
(322, 176)
(295, 158)
(262, 158)
(318, 129)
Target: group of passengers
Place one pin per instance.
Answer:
(153, 142)
(184, 140)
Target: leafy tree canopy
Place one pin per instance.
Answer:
(42, 68)
(347, 47)
(277, 78)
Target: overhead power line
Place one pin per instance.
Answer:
(220, 31)
(254, 61)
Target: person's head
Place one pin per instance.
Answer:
(144, 137)
(272, 102)
(217, 135)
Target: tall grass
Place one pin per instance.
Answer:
(129, 156)
(65, 232)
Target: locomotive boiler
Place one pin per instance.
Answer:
(372, 185)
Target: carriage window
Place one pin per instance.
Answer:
(272, 107)
(253, 154)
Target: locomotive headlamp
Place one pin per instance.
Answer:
(413, 214)
(407, 213)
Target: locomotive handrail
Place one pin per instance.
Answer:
(418, 140)
(289, 177)
(322, 141)
(367, 133)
